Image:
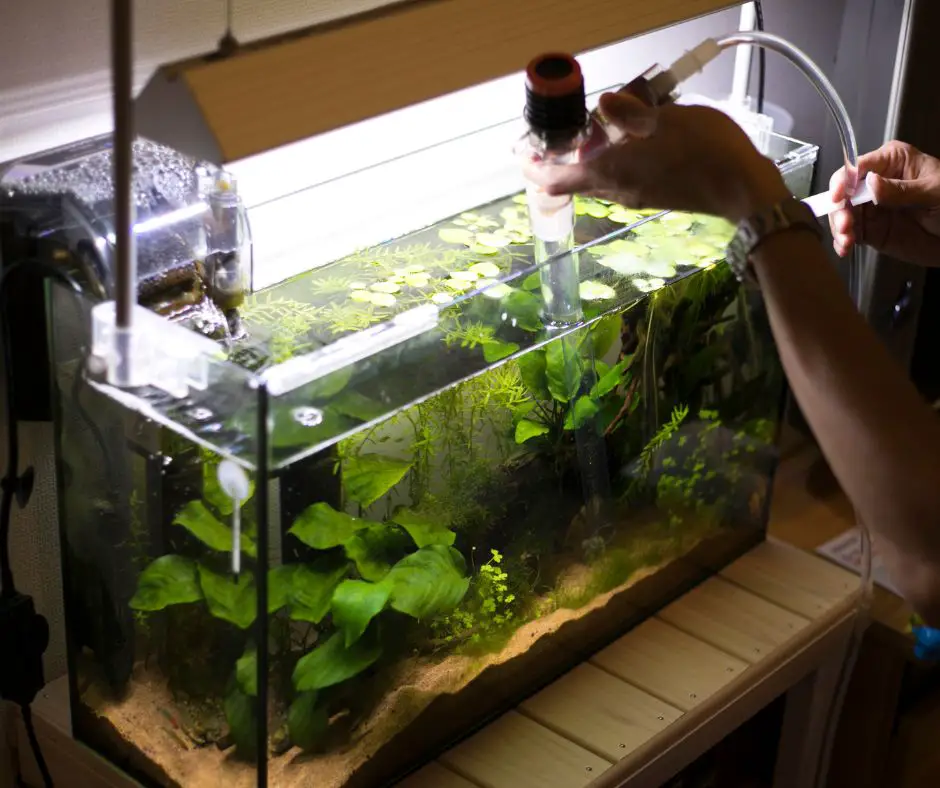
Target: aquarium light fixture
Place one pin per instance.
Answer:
(301, 370)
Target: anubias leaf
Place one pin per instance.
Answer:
(425, 531)
(232, 601)
(611, 378)
(307, 722)
(246, 672)
(355, 604)
(427, 583)
(202, 524)
(495, 350)
(240, 713)
(375, 549)
(532, 371)
(524, 309)
(562, 370)
(358, 406)
(333, 663)
(526, 430)
(312, 588)
(367, 477)
(604, 333)
(280, 586)
(213, 493)
(321, 527)
(169, 580)
(580, 413)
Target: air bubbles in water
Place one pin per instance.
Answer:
(307, 416)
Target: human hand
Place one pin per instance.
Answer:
(674, 157)
(903, 219)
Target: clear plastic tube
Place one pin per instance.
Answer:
(857, 290)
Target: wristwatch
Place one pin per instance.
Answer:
(788, 214)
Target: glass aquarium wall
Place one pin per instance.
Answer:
(404, 500)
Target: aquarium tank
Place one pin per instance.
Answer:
(348, 517)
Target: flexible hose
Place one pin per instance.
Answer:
(856, 284)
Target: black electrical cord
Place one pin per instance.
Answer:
(27, 715)
(761, 59)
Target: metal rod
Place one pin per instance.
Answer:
(122, 76)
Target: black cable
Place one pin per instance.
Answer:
(761, 59)
(12, 483)
(27, 714)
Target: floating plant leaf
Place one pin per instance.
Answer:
(487, 270)
(169, 580)
(624, 263)
(215, 496)
(321, 527)
(648, 285)
(312, 588)
(493, 240)
(493, 288)
(520, 199)
(624, 215)
(280, 586)
(232, 601)
(332, 662)
(424, 530)
(677, 222)
(455, 235)
(604, 333)
(242, 721)
(458, 284)
(417, 280)
(358, 406)
(562, 370)
(355, 603)
(660, 268)
(495, 350)
(427, 583)
(415, 268)
(376, 548)
(611, 379)
(483, 249)
(367, 477)
(362, 296)
(383, 299)
(202, 524)
(357, 285)
(441, 298)
(385, 287)
(246, 672)
(583, 410)
(596, 291)
(524, 309)
(306, 721)
(526, 430)
(464, 276)
(532, 370)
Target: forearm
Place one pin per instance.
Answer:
(881, 439)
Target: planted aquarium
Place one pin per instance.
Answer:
(370, 507)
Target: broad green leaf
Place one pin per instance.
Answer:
(494, 350)
(240, 714)
(232, 601)
(454, 235)
(312, 588)
(280, 586)
(321, 527)
(214, 495)
(202, 524)
(358, 406)
(169, 580)
(329, 385)
(332, 662)
(524, 309)
(526, 430)
(532, 370)
(428, 583)
(532, 282)
(306, 721)
(367, 477)
(486, 270)
(355, 604)
(562, 370)
(376, 548)
(611, 379)
(604, 333)
(289, 431)
(580, 413)
(246, 672)
(424, 530)
(596, 291)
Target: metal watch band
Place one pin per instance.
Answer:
(753, 231)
